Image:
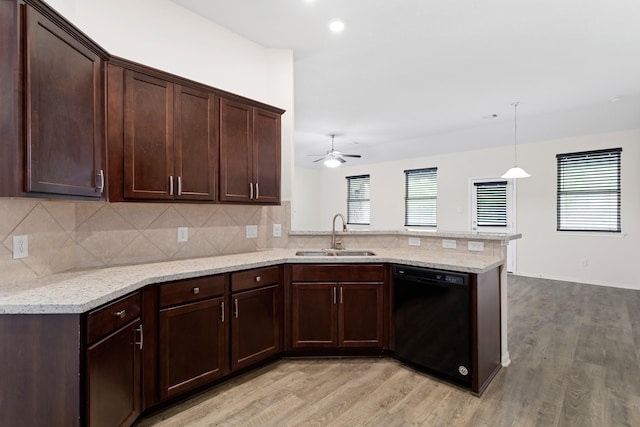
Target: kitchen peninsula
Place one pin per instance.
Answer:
(58, 332)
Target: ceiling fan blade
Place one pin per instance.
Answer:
(357, 156)
(318, 160)
(341, 160)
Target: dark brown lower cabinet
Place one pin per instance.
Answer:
(113, 378)
(115, 338)
(192, 332)
(314, 315)
(256, 325)
(192, 345)
(360, 314)
(340, 314)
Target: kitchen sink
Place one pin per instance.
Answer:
(354, 253)
(334, 253)
(314, 253)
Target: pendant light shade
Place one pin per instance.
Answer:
(515, 171)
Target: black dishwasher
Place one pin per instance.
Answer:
(432, 330)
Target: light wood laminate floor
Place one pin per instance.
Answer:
(575, 352)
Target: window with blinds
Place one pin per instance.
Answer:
(588, 196)
(491, 204)
(358, 200)
(421, 197)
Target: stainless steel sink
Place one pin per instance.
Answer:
(354, 253)
(314, 253)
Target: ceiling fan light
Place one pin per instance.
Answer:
(332, 163)
(515, 172)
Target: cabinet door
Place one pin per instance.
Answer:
(65, 112)
(360, 315)
(195, 144)
(236, 153)
(113, 378)
(192, 347)
(314, 315)
(256, 326)
(266, 156)
(148, 137)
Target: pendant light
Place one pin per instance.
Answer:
(515, 171)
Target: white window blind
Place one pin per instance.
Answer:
(491, 204)
(358, 200)
(589, 191)
(421, 197)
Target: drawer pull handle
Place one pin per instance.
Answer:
(121, 314)
(196, 291)
(235, 302)
(222, 311)
(141, 342)
(258, 278)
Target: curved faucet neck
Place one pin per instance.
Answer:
(333, 228)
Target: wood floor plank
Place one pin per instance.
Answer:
(575, 353)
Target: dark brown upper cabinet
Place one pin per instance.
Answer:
(168, 138)
(249, 153)
(52, 114)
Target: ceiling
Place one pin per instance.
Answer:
(411, 78)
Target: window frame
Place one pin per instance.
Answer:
(589, 168)
(366, 202)
(408, 211)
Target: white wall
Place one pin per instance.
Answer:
(542, 252)
(161, 34)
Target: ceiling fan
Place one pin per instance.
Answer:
(334, 158)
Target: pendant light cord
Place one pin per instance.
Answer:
(515, 132)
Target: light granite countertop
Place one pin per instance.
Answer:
(502, 237)
(81, 291)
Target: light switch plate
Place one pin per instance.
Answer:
(252, 231)
(476, 246)
(183, 234)
(20, 246)
(449, 244)
(414, 241)
(277, 230)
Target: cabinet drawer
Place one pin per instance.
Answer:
(337, 273)
(258, 277)
(184, 291)
(109, 318)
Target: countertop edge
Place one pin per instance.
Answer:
(424, 233)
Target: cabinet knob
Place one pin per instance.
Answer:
(258, 278)
(121, 314)
(196, 291)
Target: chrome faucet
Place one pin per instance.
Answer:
(334, 244)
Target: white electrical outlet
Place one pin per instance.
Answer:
(183, 234)
(252, 231)
(414, 241)
(449, 244)
(277, 230)
(476, 246)
(20, 246)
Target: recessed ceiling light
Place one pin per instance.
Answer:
(336, 26)
(616, 98)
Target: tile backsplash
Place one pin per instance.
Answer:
(67, 235)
